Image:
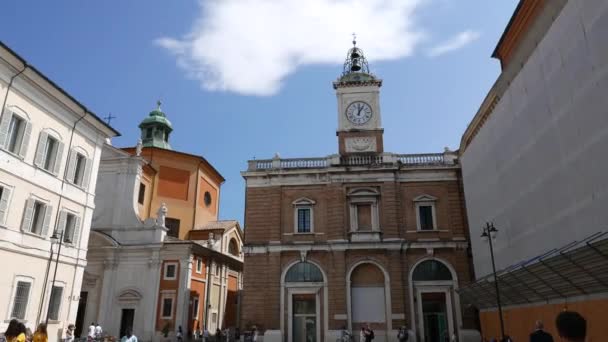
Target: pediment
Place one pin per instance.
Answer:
(367, 191)
(303, 201)
(425, 198)
(129, 295)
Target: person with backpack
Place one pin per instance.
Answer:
(368, 333)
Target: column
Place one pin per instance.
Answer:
(183, 295)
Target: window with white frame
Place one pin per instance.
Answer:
(167, 306)
(364, 215)
(49, 153)
(303, 215)
(5, 193)
(69, 225)
(425, 212)
(15, 132)
(170, 271)
(79, 168)
(199, 265)
(195, 302)
(21, 297)
(36, 217)
(55, 302)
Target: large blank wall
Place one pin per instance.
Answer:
(539, 166)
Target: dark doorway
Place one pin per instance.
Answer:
(126, 321)
(82, 309)
(435, 317)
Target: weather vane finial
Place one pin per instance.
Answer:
(354, 39)
(158, 103)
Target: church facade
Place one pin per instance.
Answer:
(158, 258)
(360, 237)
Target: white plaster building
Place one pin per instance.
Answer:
(138, 276)
(50, 146)
(533, 163)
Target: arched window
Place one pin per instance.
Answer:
(233, 248)
(431, 270)
(304, 272)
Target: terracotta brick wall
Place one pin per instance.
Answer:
(270, 212)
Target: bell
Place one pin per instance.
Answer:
(355, 66)
(355, 55)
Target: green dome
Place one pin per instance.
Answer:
(155, 129)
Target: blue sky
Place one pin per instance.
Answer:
(245, 79)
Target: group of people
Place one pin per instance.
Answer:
(17, 332)
(225, 335)
(571, 327)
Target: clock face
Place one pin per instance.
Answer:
(358, 112)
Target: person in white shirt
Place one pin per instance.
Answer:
(129, 337)
(91, 330)
(98, 331)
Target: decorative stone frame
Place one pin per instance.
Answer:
(425, 200)
(167, 295)
(16, 280)
(364, 195)
(26, 134)
(303, 203)
(165, 267)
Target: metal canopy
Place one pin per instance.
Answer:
(578, 268)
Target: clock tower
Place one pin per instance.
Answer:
(358, 92)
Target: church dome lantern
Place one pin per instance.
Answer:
(155, 129)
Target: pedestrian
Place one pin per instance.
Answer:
(237, 334)
(539, 334)
(254, 334)
(571, 326)
(205, 335)
(362, 334)
(91, 334)
(180, 334)
(129, 337)
(403, 334)
(98, 331)
(446, 336)
(41, 335)
(13, 332)
(369, 333)
(69, 333)
(218, 335)
(29, 336)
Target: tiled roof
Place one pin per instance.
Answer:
(224, 225)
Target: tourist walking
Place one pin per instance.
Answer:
(91, 333)
(180, 334)
(98, 331)
(129, 337)
(14, 333)
(403, 334)
(539, 334)
(69, 333)
(571, 326)
(369, 333)
(41, 335)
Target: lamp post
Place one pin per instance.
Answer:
(60, 241)
(489, 234)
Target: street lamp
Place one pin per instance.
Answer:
(54, 239)
(489, 234)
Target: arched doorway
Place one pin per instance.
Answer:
(369, 299)
(303, 291)
(434, 303)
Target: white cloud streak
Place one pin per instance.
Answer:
(456, 42)
(250, 47)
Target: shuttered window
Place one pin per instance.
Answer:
(4, 196)
(22, 295)
(55, 303)
(15, 132)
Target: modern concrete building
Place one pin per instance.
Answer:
(158, 257)
(50, 146)
(532, 163)
(363, 236)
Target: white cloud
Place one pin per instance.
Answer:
(250, 47)
(457, 42)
